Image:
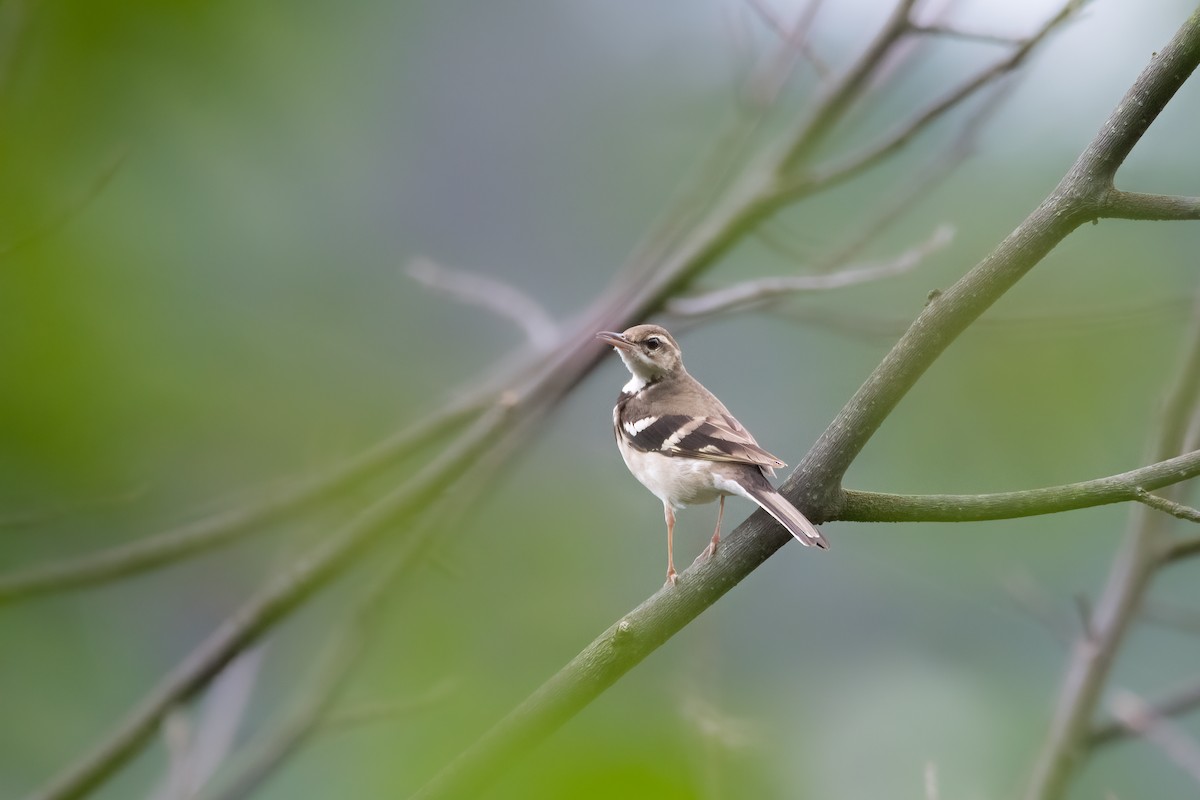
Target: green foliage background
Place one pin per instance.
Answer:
(205, 209)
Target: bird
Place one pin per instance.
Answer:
(682, 443)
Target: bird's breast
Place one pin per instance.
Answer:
(676, 481)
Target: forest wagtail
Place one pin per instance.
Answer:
(682, 443)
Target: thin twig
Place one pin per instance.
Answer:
(1126, 486)
(750, 293)
(1178, 510)
(953, 32)
(484, 291)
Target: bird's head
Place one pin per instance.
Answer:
(648, 351)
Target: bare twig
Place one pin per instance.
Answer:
(761, 290)
(496, 296)
(1178, 510)
(1142, 720)
(1124, 487)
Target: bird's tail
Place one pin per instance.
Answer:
(786, 514)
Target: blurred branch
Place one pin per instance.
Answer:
(197, 749)
(271, 604)
(493, 295)
(877, 507)
(1180, 549)
(902, 135)
(945, 161)
(1174, 704)
(335, 663)
(816, 486)
(761, 290)
(349, 643)
(764, 88)
(155, 551)
(841, 93)
(1142, 720)
(953, 32)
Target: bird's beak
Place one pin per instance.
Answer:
(617, 340)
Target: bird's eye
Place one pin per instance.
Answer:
(653, 343)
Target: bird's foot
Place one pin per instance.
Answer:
(672, 576)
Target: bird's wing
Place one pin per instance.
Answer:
(711, 438)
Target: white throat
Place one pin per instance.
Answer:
(635, 385)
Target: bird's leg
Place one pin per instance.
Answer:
(669, 513)
(711, 550)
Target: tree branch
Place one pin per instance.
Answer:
(268, 606)
(877, 507)
(855, 163)
(1166, 506)
(1134, 205)
(486, 292)
(748, 293)
(214, 531)
(815, 486)
(816, 483)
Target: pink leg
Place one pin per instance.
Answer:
(669, 513)
(711, 550)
